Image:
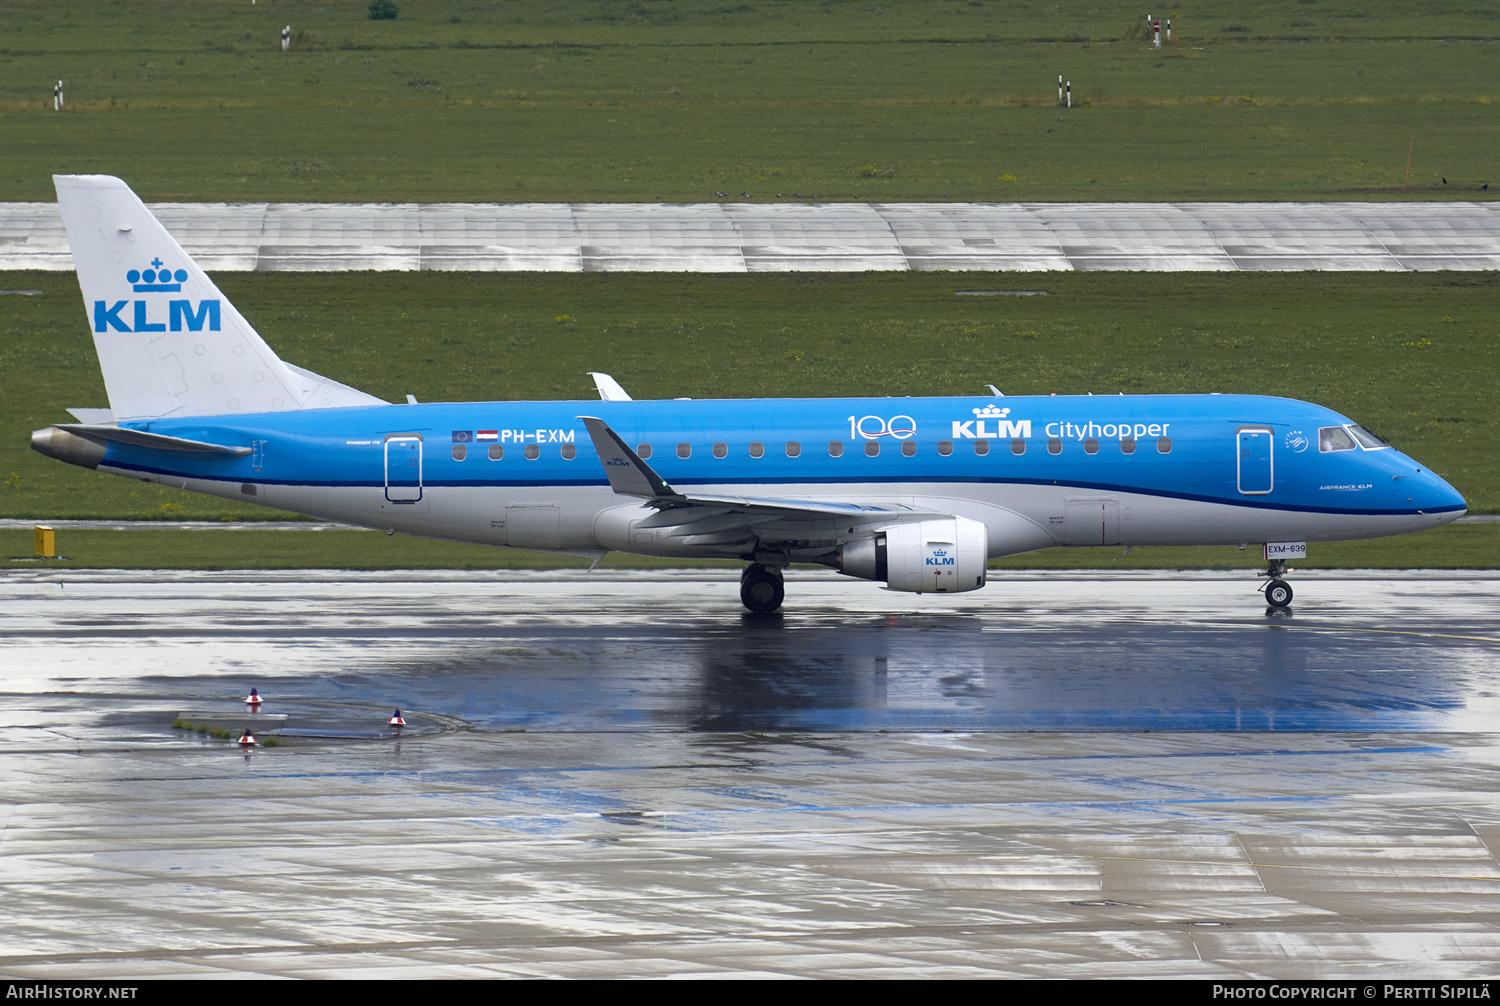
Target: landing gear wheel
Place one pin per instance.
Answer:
(761, 589)
(1278, 593)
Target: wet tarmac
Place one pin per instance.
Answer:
(620, 774)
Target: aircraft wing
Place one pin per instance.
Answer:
(746, 522)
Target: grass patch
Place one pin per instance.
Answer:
(1411, 356)
(1457, 546)
(680, 99)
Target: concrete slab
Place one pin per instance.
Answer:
(798, 236)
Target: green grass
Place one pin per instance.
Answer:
(905, 99)
(678, 99)
(1458, 546)
(1411, 356)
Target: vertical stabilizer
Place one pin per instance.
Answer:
(169, 342)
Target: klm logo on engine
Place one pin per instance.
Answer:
(940, 557)
(978, 428)
(135, 316)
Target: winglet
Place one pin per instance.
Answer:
(609, 388)
(628, 475)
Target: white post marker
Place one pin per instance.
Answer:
(1156, 33)
(1169, 31)
(1070, 94)
(286, 38)
(1059, 89)
(57, 97)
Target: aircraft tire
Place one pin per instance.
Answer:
(761, 589)
(1278, 593)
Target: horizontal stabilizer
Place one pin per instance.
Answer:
(149, 441)
(93, 417)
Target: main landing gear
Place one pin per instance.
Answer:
(1278, 592)
(761, 589)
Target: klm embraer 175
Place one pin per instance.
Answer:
(917, 493)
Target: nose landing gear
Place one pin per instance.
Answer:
(1278, 592)
(761, 588)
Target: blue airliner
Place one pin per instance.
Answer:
(917, 493)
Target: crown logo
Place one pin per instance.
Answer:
(156, 279)
(990, 412)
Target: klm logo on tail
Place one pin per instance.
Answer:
(107, 316)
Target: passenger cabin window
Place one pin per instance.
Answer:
(533, 452)
(981, 447)
(569, 451)
(909, 448)
(496, 452)
(1054, 446)
(1334, 438)
(945, 447)
(684, 450)
(757, 449)
(721, 450)
(872, 448)
(1164, 445)
(793, 449)
(1018, 446)
(1127, 445)
(835, 449)
(460, 452)
(643, 451)
(1091, 446)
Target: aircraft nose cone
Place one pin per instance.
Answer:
(1436, 495)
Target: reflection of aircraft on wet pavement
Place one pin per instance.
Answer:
(915, 492)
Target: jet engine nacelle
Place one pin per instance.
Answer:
(943, 555)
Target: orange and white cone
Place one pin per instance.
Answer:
(247, 739)
(253, 699)
(395, 720)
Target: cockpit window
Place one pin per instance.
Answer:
(1334, 438)
(1367, 440)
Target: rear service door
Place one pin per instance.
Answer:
(403, 469)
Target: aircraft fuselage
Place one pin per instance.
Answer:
(1091, 470)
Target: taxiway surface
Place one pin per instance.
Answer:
(796, 236)
(622, 774)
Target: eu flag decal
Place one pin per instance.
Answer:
(463, 436)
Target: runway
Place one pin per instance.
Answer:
(622, 774)
(793, 235)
